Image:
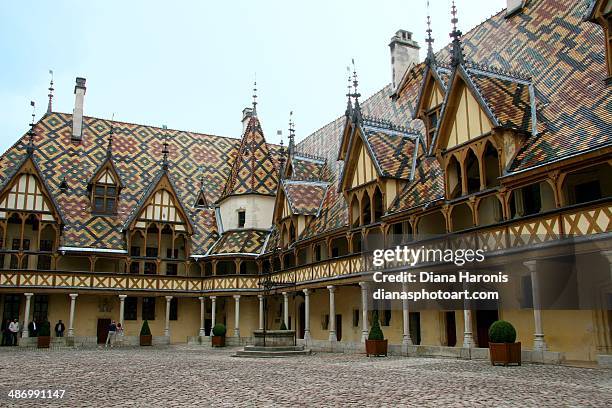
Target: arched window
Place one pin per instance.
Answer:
(489, 211)
(472, 172)
(377, 200)
(431, 224)
(461, 217)
(531, 199)
(292, 233)
(355, 211)
(453, 178)
(491, 166)
(366, 209)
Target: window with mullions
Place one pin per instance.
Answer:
(148, 308)
(432, 122)
(130, 308)
(104, 198)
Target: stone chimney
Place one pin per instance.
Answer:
(514, 6)
(404, 54)
(77, 113)
(246, 115)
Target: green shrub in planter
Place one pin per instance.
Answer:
(283, 327)
(145, 330)
(219, 330)
(376, 332)
(502, 332)
(44, 329)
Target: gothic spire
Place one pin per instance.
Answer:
(109, 148)
(282, 155)
(165, 154)
(356, 94)
(51, 89)
(31, 132)
(291, 133)
(431, 58)
(255, 98)
(349, 105)
(457, 47)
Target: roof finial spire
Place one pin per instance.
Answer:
(356, 94)
(349, 105)
(255, 96)
(457, 50)
(165, 153)
(31, 133)
(201, 179)
(291, 133)
(281, 170)
(431, 59)
(109, 148)
(51, 89)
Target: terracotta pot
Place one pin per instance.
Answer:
(44, 341)
(376, 347)
(218, 341)
(505, 353)
(146, 340)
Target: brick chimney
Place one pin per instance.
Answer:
(246, 115)
(77, 113)
(404, 54)
(514, 6)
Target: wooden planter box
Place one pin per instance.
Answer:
(505, 353)
(218, 341)
(43, 341)
(376, 347)
(146, 340)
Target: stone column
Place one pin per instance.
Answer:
(237, 316)
(261, 311)
(286, 309)
(468, 338)
(332, 313)
(73, 297)
(26, 319)
(213, 312)
(539, 344)
(167, 327)
(406, 339)
(364, 311)
(202, 332)
(306, 314)
(121, 308)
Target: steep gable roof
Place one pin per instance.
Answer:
(254, 170)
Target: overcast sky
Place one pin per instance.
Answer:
(190, 65)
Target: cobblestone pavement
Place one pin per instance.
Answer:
(192, 375)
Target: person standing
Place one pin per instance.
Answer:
(33, 328)
(59, 329)
(14, 329)
(112, 331)
(120, 333)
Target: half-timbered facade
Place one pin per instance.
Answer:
(502, 138)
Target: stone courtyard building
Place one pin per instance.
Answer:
(503, 137)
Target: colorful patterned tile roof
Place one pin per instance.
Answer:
(253, 171)
(136, 155)
(240, 242)
(427, 186)
(393, 151)
(305, 167)
(305, 197)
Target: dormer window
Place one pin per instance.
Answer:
(241, 218)
(104, 194)
(432, 122)
(104, 188)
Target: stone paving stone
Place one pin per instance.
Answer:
(184, 375)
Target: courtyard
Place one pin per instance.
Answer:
(191, 375)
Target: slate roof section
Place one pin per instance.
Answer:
(253, 170)
(247, 242)
(427, 186)
(306, 167)
(393, 151)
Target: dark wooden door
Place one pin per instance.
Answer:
(451, 329)
(484, 320)
(103, 330)
(339, 327)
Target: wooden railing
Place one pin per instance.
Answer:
(583, 220)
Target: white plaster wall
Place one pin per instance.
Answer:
(258, 208)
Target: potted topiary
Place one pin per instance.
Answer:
(146, 339)
(502, 346)
(44, 335)
(218, 337)
(376, 344)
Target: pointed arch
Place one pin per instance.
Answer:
(472, 172)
